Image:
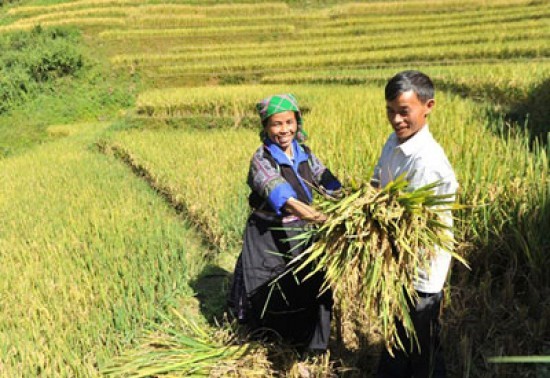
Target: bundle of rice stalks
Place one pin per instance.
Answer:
(372, 245)
(187, 350)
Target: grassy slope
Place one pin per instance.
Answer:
(93, 95)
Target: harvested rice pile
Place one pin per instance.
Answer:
(185, 349)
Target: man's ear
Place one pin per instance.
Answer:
(428, 106)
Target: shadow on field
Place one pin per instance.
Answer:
(211, 287)
(355, 347)
(352, 355)
(501, 306)
(534, 112)
(512, 105)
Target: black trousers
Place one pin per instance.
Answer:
(292, 312)
(428, 362)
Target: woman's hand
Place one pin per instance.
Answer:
(304, 211)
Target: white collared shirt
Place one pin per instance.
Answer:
(424, 161)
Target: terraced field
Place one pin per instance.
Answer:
(174, 44)
(92, 253)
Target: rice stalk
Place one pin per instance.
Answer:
(185, 349)
(372, 245)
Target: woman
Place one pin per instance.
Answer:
(281, 174)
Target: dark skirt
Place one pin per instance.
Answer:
(286, 308)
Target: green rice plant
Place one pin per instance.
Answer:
(200, 170)
(84, 21)
(356, 45)
(372, 244)
(187, 349)
(503, 83)
(459, 71)
(520, 360)
(142, 18)
(221, 101)
(195, 32)
(369, 28)
(240, 9)
(446, 38)
(506, 14)
(369, 41)
(415, 7)
(88, 253)
(148, 7)
(511, 49)
(341, 115)
(510, 23)
(115, 11)
(72, 5)
(215, 10)
(175, 20)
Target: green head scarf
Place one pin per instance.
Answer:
(278, 104)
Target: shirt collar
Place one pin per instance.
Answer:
(416, 142)
(281, 158)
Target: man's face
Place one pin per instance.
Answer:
(407, 114)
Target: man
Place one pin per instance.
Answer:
(411, 149)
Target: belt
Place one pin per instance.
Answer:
(273, 217)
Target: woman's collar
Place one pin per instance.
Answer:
(279, 155)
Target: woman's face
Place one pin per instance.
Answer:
(281, 129)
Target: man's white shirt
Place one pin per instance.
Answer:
(423, 161)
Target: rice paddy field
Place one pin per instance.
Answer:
(111, 224)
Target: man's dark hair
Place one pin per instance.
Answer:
(405, 81)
